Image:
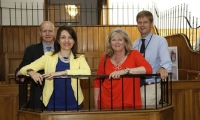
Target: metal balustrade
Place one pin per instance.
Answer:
(87, 88)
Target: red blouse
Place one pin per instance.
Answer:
(127, 96)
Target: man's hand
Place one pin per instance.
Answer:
(163, 73)
(19, 79)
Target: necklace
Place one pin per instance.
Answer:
(118, 66)
(63, 59)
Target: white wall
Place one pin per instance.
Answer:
(22, 16)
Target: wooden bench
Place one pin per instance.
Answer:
(12, 61)
(189, 74)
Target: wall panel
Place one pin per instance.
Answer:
(90, 38)
(187, 58)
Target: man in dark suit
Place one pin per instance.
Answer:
(32, 53)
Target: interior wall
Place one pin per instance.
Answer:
(22, 16)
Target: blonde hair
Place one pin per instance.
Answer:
(128, 47)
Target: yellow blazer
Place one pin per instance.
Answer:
(78, 66)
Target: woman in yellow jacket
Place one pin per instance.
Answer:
(60, 93)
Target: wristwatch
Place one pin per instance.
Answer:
(127, 70)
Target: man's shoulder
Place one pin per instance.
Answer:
(34, 46)
(158, 37)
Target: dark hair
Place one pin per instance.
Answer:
(74, 36)
(145, 13)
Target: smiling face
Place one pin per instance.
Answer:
(66, 41)
(144, 26)
(47, 31)
(118, 42)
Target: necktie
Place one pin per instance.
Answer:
(142, 48)
(48, 48)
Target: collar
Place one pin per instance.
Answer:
(44, 45)
(147, 38)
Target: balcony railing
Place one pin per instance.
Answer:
(86, 82)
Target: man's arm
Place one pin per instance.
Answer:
(166, 63)
(27, 59)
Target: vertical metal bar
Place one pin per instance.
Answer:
(48, 11)
(122, 93)
(91, 13)
(10, 15)
(186, 18)
(32, 13)
(26, 14)
(162, 23)
(66, 105)
(59, 13)
(15, 15)
(19, 102)
(165, 23)
(86, 14)
(37, 15)
(77, 81)
(178, 27)
(111, 99)
(133, 13)
(196, 33)
(101, 81)
(162, 98)
(89, 93)
(65, 13)
(168, 22)
(167, 90)
(189, 27)
(145, 97)
(76, 17)
(54, 97)
(21, 12)
(175, 21)
(128, 14)
(112, 14)
(42, 98)
(193, 32)
(117, 14)
(54, 13)
(181, 18)
(80, 18)
(134, 89)
(156, 95)
(171, 87)
(123, 13)
(171, 26)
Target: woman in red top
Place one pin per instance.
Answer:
(121, 59)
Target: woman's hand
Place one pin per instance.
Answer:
(116, 74)
(51, 75)
(37, 77)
